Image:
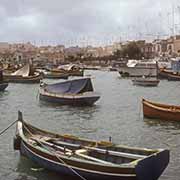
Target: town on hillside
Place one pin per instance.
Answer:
(21, 53)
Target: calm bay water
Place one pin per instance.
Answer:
(118, 114)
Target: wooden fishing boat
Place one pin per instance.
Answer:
(77, 92)
(55, 75)
(174, 77)
(23, 75)
(168, 74)
(145, 82)
(70, 69)
(161, 111)
(23, 79)
(86, 159)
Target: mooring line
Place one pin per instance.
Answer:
(4, 130)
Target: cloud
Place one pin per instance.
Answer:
(77, 21)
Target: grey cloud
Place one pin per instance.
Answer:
(94, 20)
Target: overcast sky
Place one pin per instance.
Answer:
(85, 22)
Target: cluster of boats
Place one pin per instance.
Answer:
(83, 158)
(75, 92)
(148, 73)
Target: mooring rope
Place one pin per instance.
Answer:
(4, 130)
(74, 171)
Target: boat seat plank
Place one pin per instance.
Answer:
(65, 143)
(80, 152)
(119, 154)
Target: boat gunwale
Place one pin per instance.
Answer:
(87, 94)
(102, 143)
(162, 107)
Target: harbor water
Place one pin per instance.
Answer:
(118, 114)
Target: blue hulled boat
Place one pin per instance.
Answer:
(86, 159)
(75, 92)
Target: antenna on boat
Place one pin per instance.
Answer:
(20, 116)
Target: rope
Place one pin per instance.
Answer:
(4, 130)
(74, 171)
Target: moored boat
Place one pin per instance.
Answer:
(139, 68)
(86, 159)
(70, 69)
(23, 75)
(55, 75)
(145, 82)
(77, 92)
(161, 111)
(169, 75)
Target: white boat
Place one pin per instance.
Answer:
(138, 68)
(145, 82)
(24, 71)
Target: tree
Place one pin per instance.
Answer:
(133, 51)
(130, 50)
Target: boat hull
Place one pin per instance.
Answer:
(157, 112)
(169, 75)
(147, 83)
(65, 170)
(56, 76)
(137, 72)
(69, 72)
(21, 79)
(173, 77)
(3, 86)
(69, 100)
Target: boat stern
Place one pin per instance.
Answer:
(153, 166)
